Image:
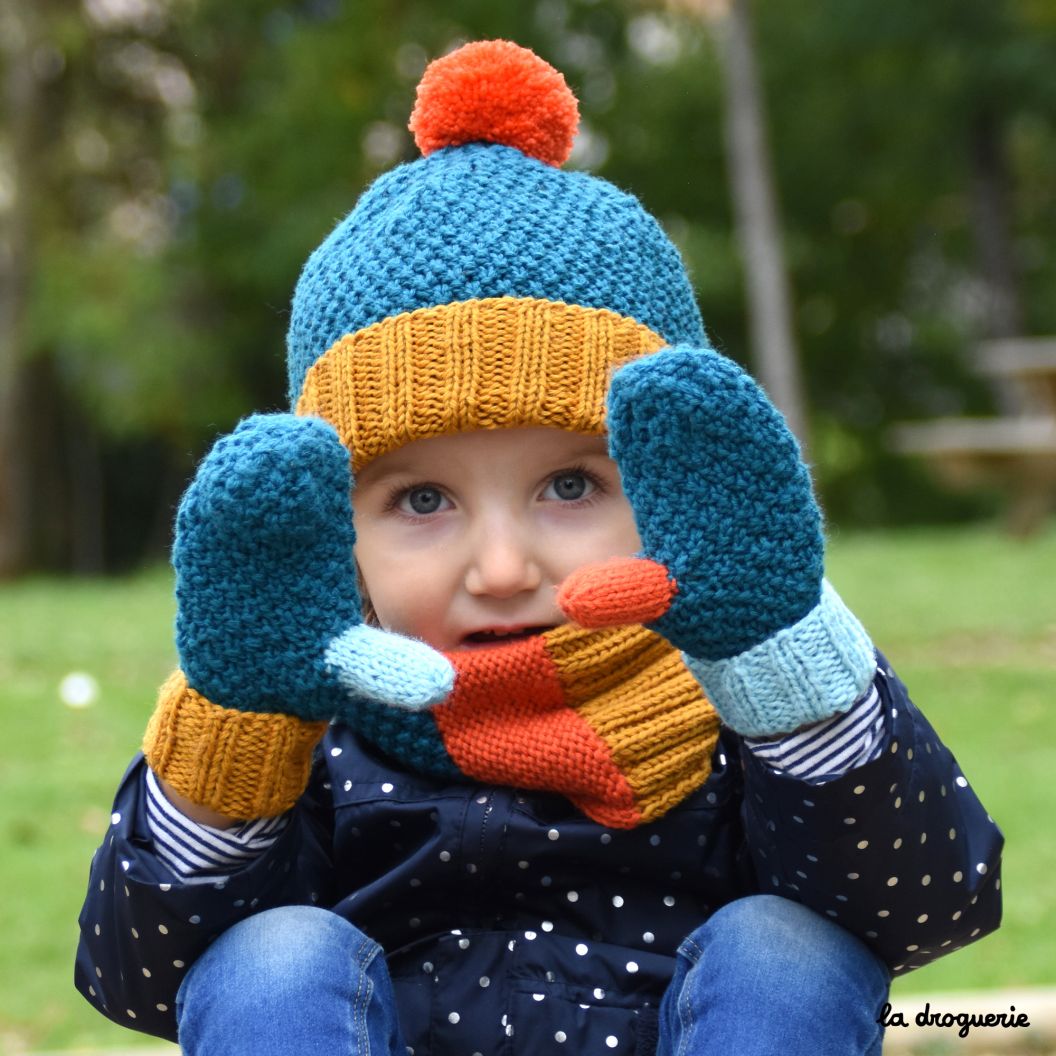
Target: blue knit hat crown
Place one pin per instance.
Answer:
(479, 219)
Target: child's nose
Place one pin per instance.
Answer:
(503, 563)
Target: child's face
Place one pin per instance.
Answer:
(464, 538)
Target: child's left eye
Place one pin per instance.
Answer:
(569, 486)
(421, 501)
(417, 501)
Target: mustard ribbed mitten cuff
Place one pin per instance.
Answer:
(242, 764)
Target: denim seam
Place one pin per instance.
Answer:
(692, 951)
(360, 1004)
(685, 1019)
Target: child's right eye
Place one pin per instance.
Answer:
(420, 502)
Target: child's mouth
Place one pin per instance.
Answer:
(501, 635)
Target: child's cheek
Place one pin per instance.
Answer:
(576, 538)
(412, 600)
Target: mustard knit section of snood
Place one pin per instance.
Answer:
(659, 726)
(241, 764)
(491, 363)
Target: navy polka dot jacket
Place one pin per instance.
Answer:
(509, 919)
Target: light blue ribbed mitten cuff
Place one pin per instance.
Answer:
(810, 671)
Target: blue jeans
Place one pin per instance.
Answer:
(762, 975)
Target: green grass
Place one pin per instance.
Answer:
(59, 768)
(967, 617)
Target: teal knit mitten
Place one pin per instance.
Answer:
(731, 569)
(268, 609)
(268, 627)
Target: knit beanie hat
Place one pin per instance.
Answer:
(482, 286)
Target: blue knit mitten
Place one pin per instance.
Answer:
(268, 626)
(731, 570)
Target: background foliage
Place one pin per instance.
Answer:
(188, 154)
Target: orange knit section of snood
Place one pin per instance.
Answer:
(520, 731)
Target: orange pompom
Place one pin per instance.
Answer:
(495, 91)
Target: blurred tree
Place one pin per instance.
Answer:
(22, 104)
(875, 112)
(751, 182)
(178, 159)
(85, 154)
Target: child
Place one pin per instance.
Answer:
(600, 762)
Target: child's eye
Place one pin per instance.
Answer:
(570, 485)
(421, 501)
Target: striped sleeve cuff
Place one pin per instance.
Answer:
(828, 749)
(201, 854)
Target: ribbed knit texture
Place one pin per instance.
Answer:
(471, 365)
(242, 764)
(484, 221)
(631, 688)
(805, 673)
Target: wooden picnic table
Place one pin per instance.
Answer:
(1028, 364)
(1015, 452)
